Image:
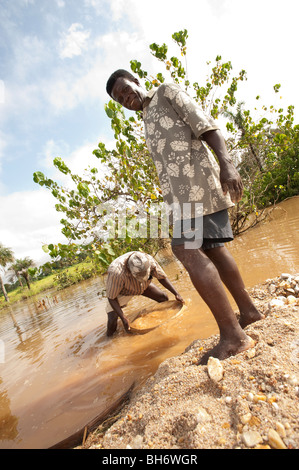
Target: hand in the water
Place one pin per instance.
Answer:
(179, 298)
(126, 323)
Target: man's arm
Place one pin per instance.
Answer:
(229, 177)
(118, 310)
(167, 284)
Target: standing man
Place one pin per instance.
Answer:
(131, 274)
(176, 132)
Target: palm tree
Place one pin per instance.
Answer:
(21, 266)
(6, 256)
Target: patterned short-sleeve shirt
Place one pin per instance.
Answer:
(187, 169)
(120, 280)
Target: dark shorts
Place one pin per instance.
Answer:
(210, 231)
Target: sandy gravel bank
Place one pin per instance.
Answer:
(250, 401)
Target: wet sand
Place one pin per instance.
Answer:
(254, 403)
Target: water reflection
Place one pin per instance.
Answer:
(270, 248)
(9, 422)
(60, 370)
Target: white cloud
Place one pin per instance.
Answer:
(114, 8)
(121, 45)
(29, 220)
(2, 92)
(22, 89)
(74, 41)
(66, 93)
(74, 86)
(117, 8)
(29, 52)
(3, 144)
(254, 36)
(52, 150)
(77, 160)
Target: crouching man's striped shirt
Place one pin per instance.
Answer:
(120, 281)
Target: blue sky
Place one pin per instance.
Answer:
(55, 58)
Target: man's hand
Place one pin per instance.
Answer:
(166, 283)
(179, 298)
(118, 310)
(229, 177)
(231, 182)
(126, 323)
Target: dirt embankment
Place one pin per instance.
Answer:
(250, 400)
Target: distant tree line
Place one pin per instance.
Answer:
(21, 272)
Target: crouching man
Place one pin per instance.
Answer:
(129, 275)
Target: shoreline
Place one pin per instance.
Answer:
(41, 288)
(251, 402)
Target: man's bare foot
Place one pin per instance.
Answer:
(250, 317)
(225, 349)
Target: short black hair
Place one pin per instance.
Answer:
(114, 76)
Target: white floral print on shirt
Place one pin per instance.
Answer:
(187, 170)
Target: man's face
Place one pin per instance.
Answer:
(129, 94)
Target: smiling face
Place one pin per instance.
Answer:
(129, 94)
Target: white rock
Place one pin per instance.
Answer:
(215, 369)
(275, 440)
(202, 415)
(272, 288)
(282, 298)
(280, 429)
(246, 418)
(276, 303)
(292, 379)
(137, 442)
(251, 353)
(290, 291)
(291, 299)
(251, 438)
(285, 276)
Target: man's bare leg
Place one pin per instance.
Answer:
(111, 323)
(152, 291)
(206, 280)
(231, 277)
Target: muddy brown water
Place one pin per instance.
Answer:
(57, 368)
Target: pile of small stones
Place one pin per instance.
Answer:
(285, 290)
